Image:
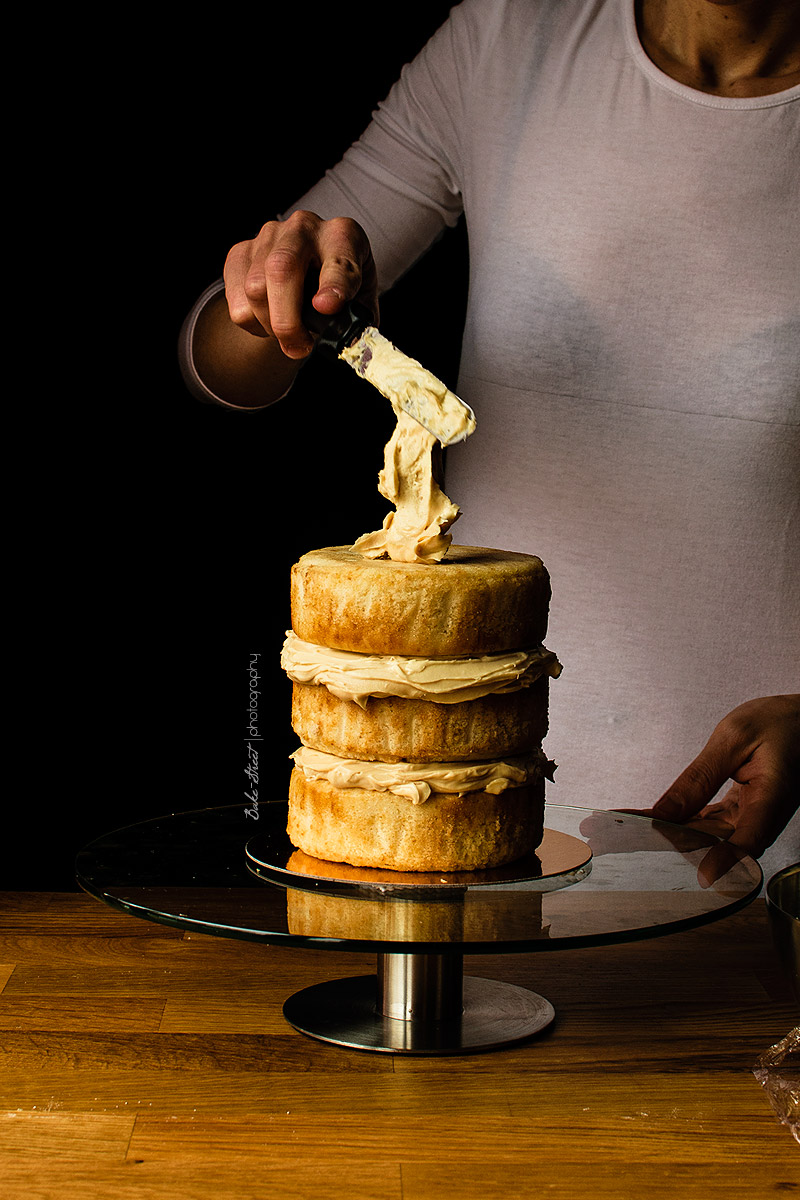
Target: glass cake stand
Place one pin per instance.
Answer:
(598, 878)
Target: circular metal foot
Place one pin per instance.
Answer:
(346, 1012)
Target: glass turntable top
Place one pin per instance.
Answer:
(599, 877)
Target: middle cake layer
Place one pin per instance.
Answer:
(391, 729)
(392, 707)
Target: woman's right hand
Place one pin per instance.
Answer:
(265, 278)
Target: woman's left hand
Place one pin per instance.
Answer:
(757, 748)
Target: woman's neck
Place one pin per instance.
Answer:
(724, 47)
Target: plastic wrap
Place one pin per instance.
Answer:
(778, 1072)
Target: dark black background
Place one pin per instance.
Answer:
(152, 539)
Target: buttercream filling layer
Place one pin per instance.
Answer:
(418, 781)
(357, 677)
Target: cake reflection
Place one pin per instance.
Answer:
(436, 908)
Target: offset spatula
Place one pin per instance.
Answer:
(351, 336)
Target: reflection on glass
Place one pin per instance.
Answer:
(639, 878)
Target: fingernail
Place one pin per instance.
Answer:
(667, 808)
(332, 292)
(298, 346)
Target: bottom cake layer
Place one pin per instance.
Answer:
(470, 832)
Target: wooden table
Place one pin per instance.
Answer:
(141, 1061)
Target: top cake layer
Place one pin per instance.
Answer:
(477, 601)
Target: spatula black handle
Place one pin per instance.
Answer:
(335, 333)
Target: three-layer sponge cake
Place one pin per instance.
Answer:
(420, 696)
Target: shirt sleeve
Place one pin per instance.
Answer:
(403, 179)
(186, 344)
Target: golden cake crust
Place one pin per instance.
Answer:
(447, 833)
(391, 729)
(477, 601)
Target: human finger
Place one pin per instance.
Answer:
(280, 278)
(763, 810)
(346, 269)
(751, 815)
(265, 277)
(249, 312)
(698, 783)
(716, 864)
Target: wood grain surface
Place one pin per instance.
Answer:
(142, 1062)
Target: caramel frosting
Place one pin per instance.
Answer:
(410, 387)
(356, 677)
(417, 529)
(417, 781)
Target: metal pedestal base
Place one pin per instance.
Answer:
(419, 1004)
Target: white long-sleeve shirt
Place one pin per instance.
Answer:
(632, 354)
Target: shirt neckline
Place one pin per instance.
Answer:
(682, 90)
